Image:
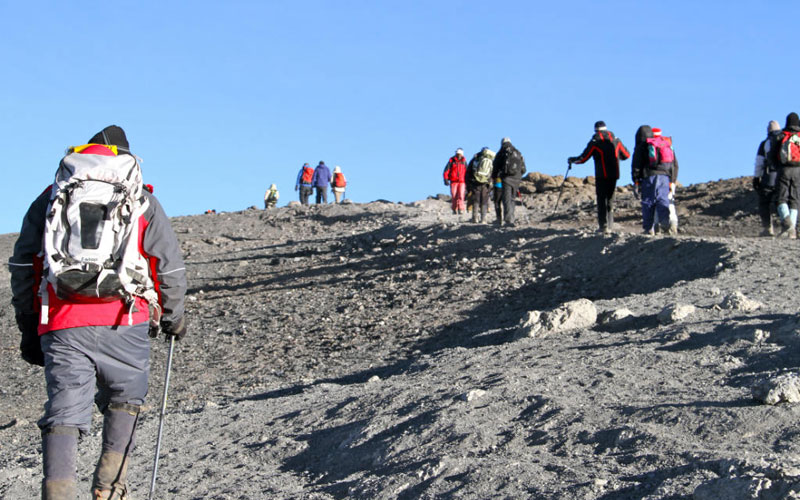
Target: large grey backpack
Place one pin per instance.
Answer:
(91, 238)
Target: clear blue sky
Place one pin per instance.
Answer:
(221, 99)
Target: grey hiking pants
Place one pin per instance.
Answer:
(93, 364)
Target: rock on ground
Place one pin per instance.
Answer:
(573, 315)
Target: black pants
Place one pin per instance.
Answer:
(789, 186)
(605, 201)
(322, 194)
(480, 201)
(766, 204)
(509, 200)
(497, 193)
(305, 192)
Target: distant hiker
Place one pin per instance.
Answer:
(87, 324)
(787, 155)
(509, 166)
(479, 180)
(655, 171)
(497, 196)
(321, 179)
(338, 184)
(765, 177)
(455, 173)
(271, 197)
(607, 151)
(303, 183)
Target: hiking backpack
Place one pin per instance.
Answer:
(513, 163)
(659, 151)
(483, 172)
(91, 236)
(338, 180)
(308, 174)
(789, 150)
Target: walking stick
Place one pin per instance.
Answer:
(561, 191)
(161, 417)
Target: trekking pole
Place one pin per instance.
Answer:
(561, 191)
(161, 417)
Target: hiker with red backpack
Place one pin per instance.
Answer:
(338, 184)
(765, 177)
(96, 271)
(303, 183)
(607, 151)
(655, 172)
(786, 151)
(455, 173)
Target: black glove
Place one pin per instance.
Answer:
(571, 160)
(175, 329)
(756, 183)
(29, 347)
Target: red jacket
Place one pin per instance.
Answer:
(456, 169)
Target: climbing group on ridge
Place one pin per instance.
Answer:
(487, 176)
(319, 179)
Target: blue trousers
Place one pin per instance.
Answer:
(655, 199)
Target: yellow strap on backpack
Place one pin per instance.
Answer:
(78, 149)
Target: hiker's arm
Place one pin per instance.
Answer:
(583, 157)
(28, 245)
(162, 248)
(759, 164)
(622, 151)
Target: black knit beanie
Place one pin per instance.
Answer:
(111, 136)
(599, 125)
(793, 121)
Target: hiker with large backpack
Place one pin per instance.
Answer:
(765, 177)
(509, 167)
(607, 151)
(455, 176)
(338, 184)
(271, 197)
(655, 171)
(479, 180)
(786, 151)
(320, 181)
(96, 271)
(303, 183)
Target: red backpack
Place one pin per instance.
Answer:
(338, 180)
(308, 174)
(789, 150)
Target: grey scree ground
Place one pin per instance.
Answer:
(370, 351)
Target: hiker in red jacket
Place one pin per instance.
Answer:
(455, 175)
(607, 151)
(94, 351)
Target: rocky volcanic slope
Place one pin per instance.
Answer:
(374, 351)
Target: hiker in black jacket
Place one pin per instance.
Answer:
(509, 166)
(788, 177)
(607, 151)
